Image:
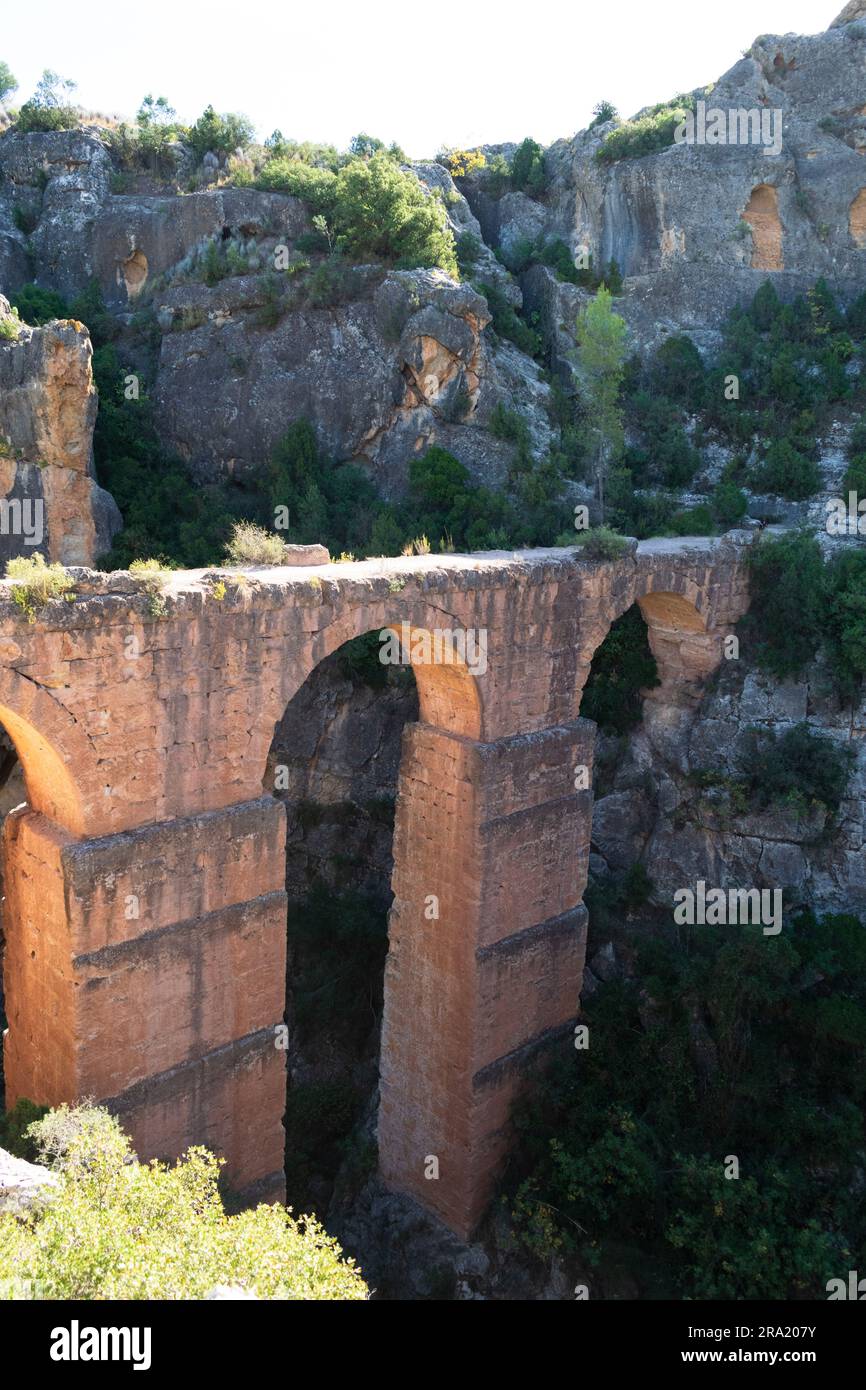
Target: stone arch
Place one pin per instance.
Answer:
(49, 744)
(450, 696)
(762, 214)
(857, 220)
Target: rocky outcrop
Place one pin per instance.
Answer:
(47, 415)
(695, 228)
(400, 366)
(657, 811)
(23, 1184)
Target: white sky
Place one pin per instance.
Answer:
(427, 75)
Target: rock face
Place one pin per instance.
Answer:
(695, 228)
(403, 365)
(655, 811)
(47, 414)
(22, 1184)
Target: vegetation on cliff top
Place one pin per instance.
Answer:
(115, 1228)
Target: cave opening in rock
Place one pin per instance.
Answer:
(334, 762)
(762, 214)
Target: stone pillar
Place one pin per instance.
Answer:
(487, 939)
(147, 969)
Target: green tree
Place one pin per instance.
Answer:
(220, 134)
(383, 211)
(601, 336)
(50, 107)
(8, 84)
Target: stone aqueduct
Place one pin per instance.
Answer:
(145, 911)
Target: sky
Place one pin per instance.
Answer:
(428, 76)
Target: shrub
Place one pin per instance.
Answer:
(729, 504)
(381, 210)
(49, 108)
(10, 327)
(253, 545)
(317, 187)
(8, 83)
(219, 134)
(37, 583)
(785, 472)
(603, 112)
(846, 621)
(119, 1229)
(798, 767)
(461, 163)
(508, 323)
(527, 168)
(37, 306)
(647, 134)
(787, 613)
(601, 543)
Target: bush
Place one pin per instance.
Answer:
(49, 108)
(729, 504)
(619, 1156)
(845, 630)
(317, 187)
(119, 1229)
(785, 472)
(249, 544)
(646, 135)
(787, 614)
(798, 767)
(37, 306)
(380, 210)
(37, 583)
(508, 323)
(527, 168)
(219, 134)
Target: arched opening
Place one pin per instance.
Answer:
(335, 762)
(857, 220)
(762, 214)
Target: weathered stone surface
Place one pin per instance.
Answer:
(145, 891)
(22, 1184)
(47, 415)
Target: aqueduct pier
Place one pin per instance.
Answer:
(145, 912)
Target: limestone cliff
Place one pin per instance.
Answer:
(47, 415)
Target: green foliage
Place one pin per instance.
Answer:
(845, 623)
(601, 337)
(797, 767)
(787, 611)
(118, 1229)
(508, 323)
(602, 112)
(622, 1147)
(37, 306)
(381, 210)
(527, 168)
(647, 134)
(14, 1127)
(10, 327)
(8, 83)
(220, 134)
(785, 472)
(622, 669)
(317, 186)
(37, 583)
(49, 108)
(729, 504)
